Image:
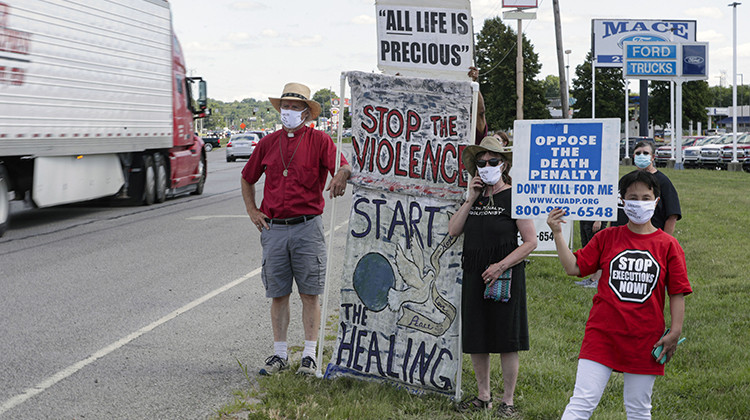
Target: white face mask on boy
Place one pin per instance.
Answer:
(639, 212)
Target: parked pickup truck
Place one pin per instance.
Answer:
(743, 150)
(664, 153)
(691, 154)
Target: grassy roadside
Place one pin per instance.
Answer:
(708, 379)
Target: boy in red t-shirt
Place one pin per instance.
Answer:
(640, 264)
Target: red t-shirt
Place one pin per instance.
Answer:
(309, 157)
(627, 316)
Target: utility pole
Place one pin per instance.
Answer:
(520, 15)
(519, 72)
(560, 61)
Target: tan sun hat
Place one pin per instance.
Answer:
(297, 92)
(488, 144)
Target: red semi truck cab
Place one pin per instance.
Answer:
(101, 104)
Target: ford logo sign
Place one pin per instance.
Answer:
(694, 59)
(641, 38)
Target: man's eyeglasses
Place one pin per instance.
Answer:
(493, 162)
(641, 153)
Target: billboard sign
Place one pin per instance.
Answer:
(520, 4)
(609, 35)
(665, 61)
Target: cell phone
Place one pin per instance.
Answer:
(657, 351)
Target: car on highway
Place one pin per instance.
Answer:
(691, 155)
(241, 146)
(664, 153)
(211, 141)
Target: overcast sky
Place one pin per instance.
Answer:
(251, 48)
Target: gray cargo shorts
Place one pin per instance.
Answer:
(294, 252)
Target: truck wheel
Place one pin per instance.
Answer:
(149, 181)
(208, 147)
(160, 170)
(4, 201)
(202, 182)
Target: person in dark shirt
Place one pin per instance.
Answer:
(667, 211)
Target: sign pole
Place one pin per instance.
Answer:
(626, 159)
(324, 310)
(519, 72)
(593, 86)
(678, 127)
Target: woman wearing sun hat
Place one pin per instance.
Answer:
(490, 250)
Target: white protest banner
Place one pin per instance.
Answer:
(545, 239)
(423, 38)
(570, 164)
(402, 271)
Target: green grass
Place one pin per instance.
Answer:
(709, 378)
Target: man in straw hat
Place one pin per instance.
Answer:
(296, 161)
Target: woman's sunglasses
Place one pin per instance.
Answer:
(493, 162)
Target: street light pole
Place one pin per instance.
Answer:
(734, 85)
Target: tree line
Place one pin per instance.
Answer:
(495, 52)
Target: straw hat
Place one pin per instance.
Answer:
(488, 144)
(297, 92)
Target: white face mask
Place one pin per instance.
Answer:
(292, 119)
(639, 212)
(491, 174)
(642, 161)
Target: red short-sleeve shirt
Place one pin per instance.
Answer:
(309, 156)
(627, 316)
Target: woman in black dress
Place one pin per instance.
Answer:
(490, 249)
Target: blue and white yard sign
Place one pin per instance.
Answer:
(570, 164)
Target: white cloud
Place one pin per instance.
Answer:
(363, 20)
(238, 37)
(269, 33)
(305, 42)
(248, 5)
(711, 36)
(705, 12)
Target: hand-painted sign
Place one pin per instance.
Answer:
(608, 36)
(402, 271)
(572, 165)
(416, 38)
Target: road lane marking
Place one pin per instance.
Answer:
(243, 216)
(70, 370)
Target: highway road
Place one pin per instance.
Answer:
(133, 312)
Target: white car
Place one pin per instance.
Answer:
(241, 145)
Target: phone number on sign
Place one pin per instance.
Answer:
(580, 211)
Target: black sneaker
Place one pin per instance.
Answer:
(274, 365)
(307, 367)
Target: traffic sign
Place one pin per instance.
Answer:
(334, 111)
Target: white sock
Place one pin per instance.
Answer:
(279, 347)
(309, 349)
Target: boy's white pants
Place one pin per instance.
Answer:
(591, 379)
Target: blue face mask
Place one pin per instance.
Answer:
(642, 161)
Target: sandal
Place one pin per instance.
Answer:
(508, 412)
(473, 404)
